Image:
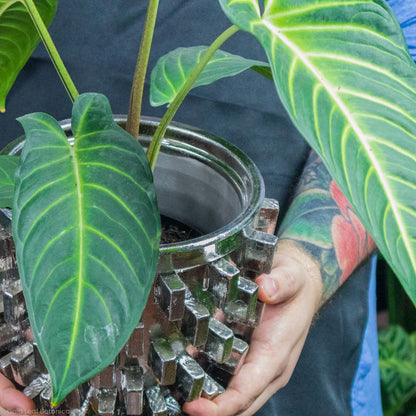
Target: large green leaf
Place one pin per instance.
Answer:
(86, 229)
(397, 369)
(18, 39)
(173, 69)
(342, 70)
(8, 166)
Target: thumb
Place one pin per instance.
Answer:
(281, 285)
(293, 269)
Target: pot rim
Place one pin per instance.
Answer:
(253, 205)
(208, 244)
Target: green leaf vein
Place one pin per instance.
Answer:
(116, 246)
(55, 297)
(278, 34)
(43, 213)
(133, 237)
(51, 242)
(122, 204)
(40, 288)
(312, 7)
(117, 170)
(110, 272)
(363, 64)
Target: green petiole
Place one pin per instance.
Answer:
(51, 49)
(156, 142)
(136, 95)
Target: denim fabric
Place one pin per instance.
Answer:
(365, 394)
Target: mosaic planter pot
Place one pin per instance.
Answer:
(195, 331)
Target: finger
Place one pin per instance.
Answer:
(241, 393)
(267, 368)
(274, 386)
(223, 407)
(201, 407)
(281, 285)
(238, 396)
(13, 401)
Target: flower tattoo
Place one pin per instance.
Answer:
(322, 222)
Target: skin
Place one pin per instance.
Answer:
(12, 401)
(315, 255)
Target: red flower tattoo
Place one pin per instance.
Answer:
(352, 242)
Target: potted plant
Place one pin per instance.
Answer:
(330, 110)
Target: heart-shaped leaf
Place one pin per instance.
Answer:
(18, 39)
(86, 228)
(8, 166)
(344, 74)
(173, 69)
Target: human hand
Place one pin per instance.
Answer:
(292, 293)
(12, 401)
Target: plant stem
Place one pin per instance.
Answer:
(51, 49)
(136, 95)
(156, 142)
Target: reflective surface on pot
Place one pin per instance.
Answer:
(195, 331)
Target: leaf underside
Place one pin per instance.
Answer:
(86, 229)
(343, 72)
(18, 39)
(172, 70)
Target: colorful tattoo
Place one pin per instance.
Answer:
(322, 222)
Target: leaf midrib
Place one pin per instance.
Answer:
(360, 134)
(79, 297)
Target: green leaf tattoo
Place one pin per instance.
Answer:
(86, 228)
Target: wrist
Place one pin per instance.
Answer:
(311, 268)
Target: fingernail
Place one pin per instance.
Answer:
(269, 288)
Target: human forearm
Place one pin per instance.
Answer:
(322, 223)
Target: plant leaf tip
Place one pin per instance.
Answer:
(2, 110)
(56, 401)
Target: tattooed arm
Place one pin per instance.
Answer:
(322, 223)
(321, 243)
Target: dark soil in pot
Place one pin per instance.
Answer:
(174, 231)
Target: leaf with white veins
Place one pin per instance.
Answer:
(86, 228)
(343, 72)
(173, 69)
